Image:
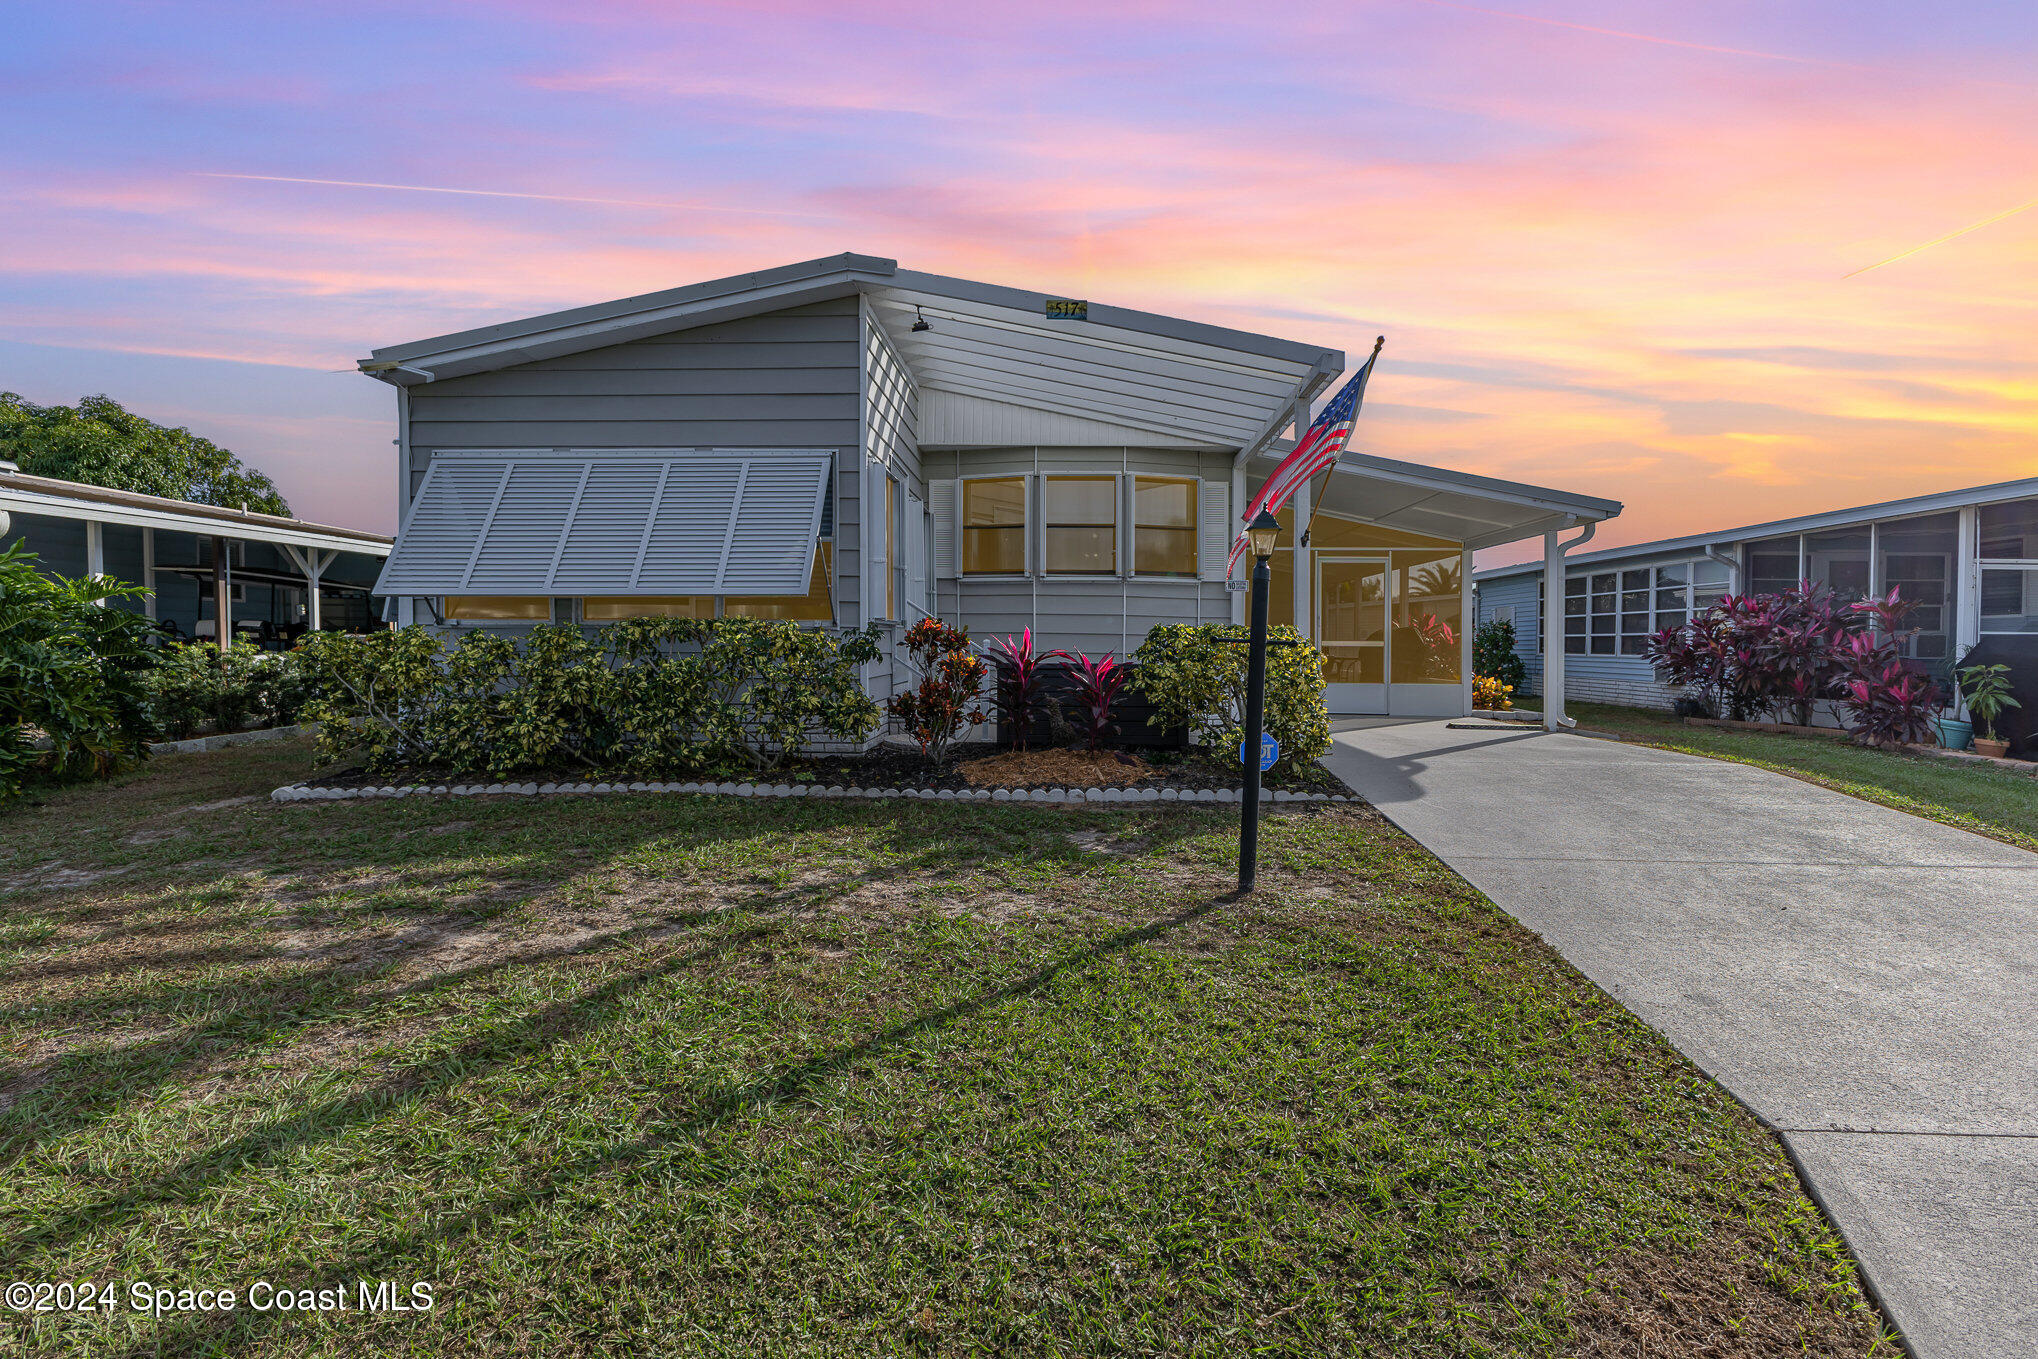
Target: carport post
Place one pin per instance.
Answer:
(1553, 632)
(222, 597)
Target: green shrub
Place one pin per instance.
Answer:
(649, 696)
(245, 688)
(1493, 654)
(1194, 676)
(71, 670)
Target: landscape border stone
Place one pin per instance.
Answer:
(1090, 797)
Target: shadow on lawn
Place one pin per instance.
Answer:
(87, 1086)
(187, 1183)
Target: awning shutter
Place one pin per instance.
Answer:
(729, 521)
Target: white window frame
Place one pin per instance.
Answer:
(1121, 530)
(1129, 516)
(1027, 525)
(1690, 586)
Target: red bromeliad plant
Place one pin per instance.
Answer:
(1097, 684)
(1020, 679)
(946, 703)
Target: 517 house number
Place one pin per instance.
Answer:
(1067, 309)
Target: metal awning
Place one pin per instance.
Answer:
(1461, 507)
(613, 522)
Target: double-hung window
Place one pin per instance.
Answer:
(1164, 526)
(994, 526)
(1079, 516)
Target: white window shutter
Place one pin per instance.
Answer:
(1214, 530)
(941, 504)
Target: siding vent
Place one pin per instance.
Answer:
(735, 522)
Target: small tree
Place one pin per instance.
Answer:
(1020, 676)
(947, 702)
(1096, 686)
(1493, 654)
(71, 669)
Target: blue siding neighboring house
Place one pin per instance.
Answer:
(1968, 560)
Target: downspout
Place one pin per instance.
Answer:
(1733, 565)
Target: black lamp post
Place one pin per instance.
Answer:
(1262, 534)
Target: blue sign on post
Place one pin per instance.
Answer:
(1270, 751)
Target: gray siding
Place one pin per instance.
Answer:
(786, 379)
(1091, 615)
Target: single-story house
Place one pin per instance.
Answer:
(278, 576)
(845, 442)
(1968, 560)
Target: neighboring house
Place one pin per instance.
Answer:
(844, 442)
(1968, 559)
(277, 575)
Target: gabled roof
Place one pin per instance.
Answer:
(1933, 503)
(1200, 383)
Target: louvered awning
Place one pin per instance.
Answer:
(715, 521)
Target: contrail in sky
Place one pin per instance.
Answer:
(498, 193)
(1648, 37)
(1941, 240)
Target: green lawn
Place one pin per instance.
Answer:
(1972, 796)
(698, 1076)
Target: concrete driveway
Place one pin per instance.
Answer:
(1865, 980)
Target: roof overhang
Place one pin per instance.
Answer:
(1479, 512)
(24, 494)
(1937, 502)
(1202, 384)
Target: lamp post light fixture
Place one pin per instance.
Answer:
(1262, 534)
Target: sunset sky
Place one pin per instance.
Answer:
(1609, 244)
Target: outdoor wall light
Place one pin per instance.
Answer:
(920, 322)
(1263, 533)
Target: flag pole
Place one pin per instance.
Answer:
(1316, 487)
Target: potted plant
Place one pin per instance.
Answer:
(1987, 691)
(1955, 731)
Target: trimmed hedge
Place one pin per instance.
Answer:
(648, 696)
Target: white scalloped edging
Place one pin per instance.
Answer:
(300, 793)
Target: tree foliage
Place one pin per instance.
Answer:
(101, 443)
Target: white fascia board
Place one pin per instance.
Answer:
(92, 511)
(1811, 523)
(1320, 375)
(737, 285)
(1582, 507)
(1122, 318)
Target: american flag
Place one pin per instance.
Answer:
(1319, 447)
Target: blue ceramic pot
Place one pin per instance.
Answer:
(1954, 734)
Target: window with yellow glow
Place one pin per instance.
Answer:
(1428, 616)
(815, 606)
(610, 608)
(497, 608)
(891, 548)
(1081, 519)
(1164, 526)
(994, 526)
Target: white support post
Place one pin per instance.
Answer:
(149, 571)
(1467, 621)
(1553, 631)
(1303, 568)
(95, 553)
(1237, 599)
(1967, 585)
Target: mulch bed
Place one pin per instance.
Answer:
(979, 765)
